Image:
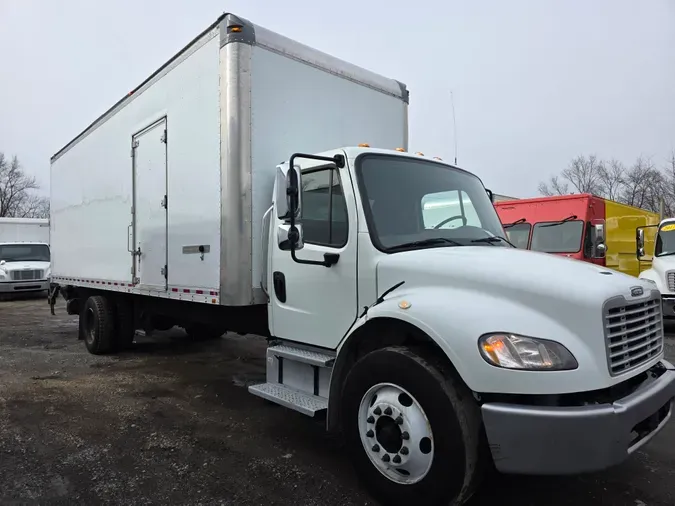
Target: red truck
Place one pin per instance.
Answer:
(581, 226)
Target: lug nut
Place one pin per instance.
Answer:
(370, 419)
(404, 450)
(377, 411)
(370, 433)
(397, 459)
(376, 448)
(385, 458)
(405, 436)
(387, 411)
(399, 420)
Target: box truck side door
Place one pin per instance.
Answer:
(150, 206)
(314, 304)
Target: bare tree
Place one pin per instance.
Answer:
(16, 192)
(643, 185)
(611, 178)
(554, 187)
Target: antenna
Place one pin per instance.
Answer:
(454, 123)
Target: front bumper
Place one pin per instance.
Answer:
(24, 286)
(547, 440)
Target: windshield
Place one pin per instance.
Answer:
(665, 240)
(408, 200)
(519, 234)
(24, 252)
(557, 237)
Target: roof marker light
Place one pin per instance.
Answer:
(401, 150)
(419, 153)
(364, 145)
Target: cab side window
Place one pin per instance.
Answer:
(324, 210)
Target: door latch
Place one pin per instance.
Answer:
(165, 271)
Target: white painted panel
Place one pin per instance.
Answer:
(296, 107)
(91, 183)
(149, 211)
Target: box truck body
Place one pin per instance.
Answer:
(24, 229)
(217, 196)
(202, 137)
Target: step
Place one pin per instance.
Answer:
(301, 355)
(306, 404)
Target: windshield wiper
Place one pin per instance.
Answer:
(426, 242)
(517, 222)
(494, 239)
(573, 217)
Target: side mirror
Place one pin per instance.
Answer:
(640, 242)
(288, 188)
(287, 237)
(491, 195)
(598, 240)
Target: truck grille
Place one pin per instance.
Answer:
(633, 333)
(27, 275)
(671, 281)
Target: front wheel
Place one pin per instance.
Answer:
(413, 431)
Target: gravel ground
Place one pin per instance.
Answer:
(171, 422)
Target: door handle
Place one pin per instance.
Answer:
(129, 238)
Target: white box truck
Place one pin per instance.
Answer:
(24, 255)
(430, 343)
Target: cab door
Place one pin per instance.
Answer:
(316, 304)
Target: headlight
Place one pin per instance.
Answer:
(512, 351)
(648, 280)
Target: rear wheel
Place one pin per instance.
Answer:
(97, 325)
(413, 430)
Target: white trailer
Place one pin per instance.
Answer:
(427, 340)
(24, 255)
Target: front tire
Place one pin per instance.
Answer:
(413, 430)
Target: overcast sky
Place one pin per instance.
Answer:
(535, 83)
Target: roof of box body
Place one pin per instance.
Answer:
(249, 33)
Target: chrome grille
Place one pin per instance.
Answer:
(633, 333)
(671, 281)
(27, 275)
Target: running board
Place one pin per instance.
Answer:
(300, 355)
(291, 398)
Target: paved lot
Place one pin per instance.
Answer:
(171, 423)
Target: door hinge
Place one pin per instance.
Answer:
(134, 145)
(165, 202)
(164, 137)
(165, 271)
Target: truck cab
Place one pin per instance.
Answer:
(396, 305)
(24, 267)
(662, 271)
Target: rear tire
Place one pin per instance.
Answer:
(97, 325)
(433, 453)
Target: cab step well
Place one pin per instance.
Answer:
(297, 378)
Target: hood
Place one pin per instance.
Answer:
(24, 265)
(531, 277)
